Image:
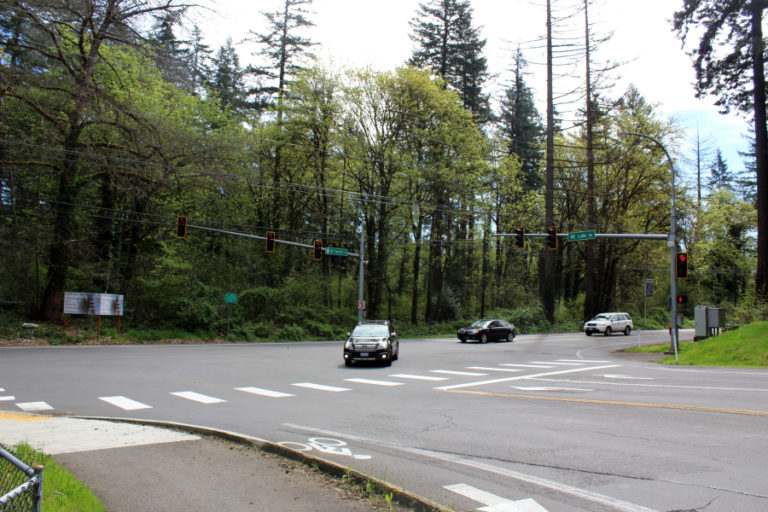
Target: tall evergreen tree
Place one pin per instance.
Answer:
(521, 127)
(448, 44)
(283, 46)
(719, 175)
(170, 53)
(227, 78)
(730, 64)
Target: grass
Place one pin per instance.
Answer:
(62, 492)
(746, 346)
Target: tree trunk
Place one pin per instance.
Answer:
(761, 151)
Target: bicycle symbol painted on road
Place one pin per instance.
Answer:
(324, 445)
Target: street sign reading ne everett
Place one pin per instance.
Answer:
(581, 235)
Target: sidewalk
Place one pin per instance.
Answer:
(133, 468)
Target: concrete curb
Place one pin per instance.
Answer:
(401, 496)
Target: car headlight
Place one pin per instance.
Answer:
(349, 345)
(384, 344)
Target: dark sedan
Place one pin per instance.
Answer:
(488, 330)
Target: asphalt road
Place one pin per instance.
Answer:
(547, 423)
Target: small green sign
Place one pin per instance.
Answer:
(336, 251)
(581, 235)
(230, 298)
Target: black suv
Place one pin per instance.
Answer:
(372, 340)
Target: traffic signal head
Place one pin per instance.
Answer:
(181, 226)
(270, 244)
(682, 299)
(520, 237)
(552, 238)
(318, 250)
(681, 265)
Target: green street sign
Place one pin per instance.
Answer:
(230, 298)
(581, 235)
(336, 251)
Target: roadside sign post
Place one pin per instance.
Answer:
(230, 298)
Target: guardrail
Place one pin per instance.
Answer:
(21, 486)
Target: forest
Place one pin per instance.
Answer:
(113, 126)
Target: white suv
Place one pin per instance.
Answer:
(608, 323)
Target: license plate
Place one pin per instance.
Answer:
(363, 354)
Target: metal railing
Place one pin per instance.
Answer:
(21, 486)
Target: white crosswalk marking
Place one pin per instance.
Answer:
(7, 398)
(320, 387)
(34, 406)
(583, 361)
(197, 397)
(527, 365)
(455, 372)
(417, 377)
(124, 403)
(495, 503)
(375, 382)
(491, 369)
(558, 363)
(264, 392)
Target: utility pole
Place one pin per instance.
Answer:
(361, 273)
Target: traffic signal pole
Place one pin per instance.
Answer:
(361, 273)
(671, 243)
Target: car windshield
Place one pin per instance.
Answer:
(480, 323)
(371, 331)
(602, 316)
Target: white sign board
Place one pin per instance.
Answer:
(102, 304)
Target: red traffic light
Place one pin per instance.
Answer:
(270, 243)
(681, 265)
(682, 299)
(318, 250)
(181, 226)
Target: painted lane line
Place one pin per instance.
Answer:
(617, 504)
(559, 363)
(596, 361)
(124, 403)
(521, 377)
(671, 386)
(7, 398)
(197, 397)
(491, 369)
(495, 503)
(375, 382)
(699, 408)
(264, 392)
(546, 388)
(456, 372)
(417, 377)
(34, 406)
(528, 365)
(320, 387)
(619, 376)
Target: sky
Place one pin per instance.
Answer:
(375, 33)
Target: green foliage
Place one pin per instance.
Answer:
(746, 346)
(62, 492)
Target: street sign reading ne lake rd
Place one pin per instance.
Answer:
(581, 235)
(335, 251)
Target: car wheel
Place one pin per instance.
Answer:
(483, 338)
(588, 333)
(463, 340)
(627, 331)
(397, 355)
(510, 336)
(607, 331)
(347, 362)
